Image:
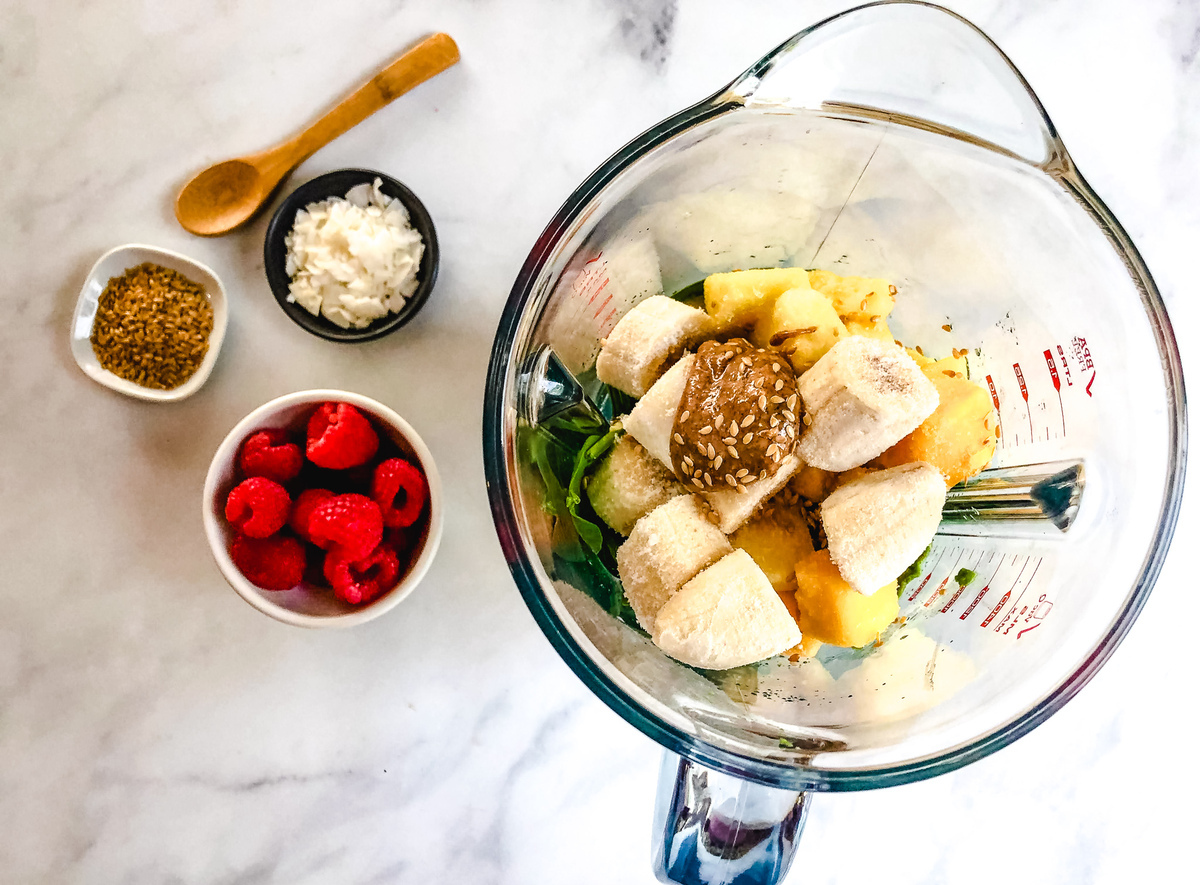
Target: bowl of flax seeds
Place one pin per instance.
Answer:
(149, 323)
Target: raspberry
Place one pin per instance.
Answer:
(393, 477)
(270, 563)
(257, 507)
(340, 436)
(349, 525)
(268, 453)
(306, 502)
(400, 540)
(364, 579)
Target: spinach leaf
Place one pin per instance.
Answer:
(912, 571)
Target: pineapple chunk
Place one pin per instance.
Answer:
(813, 483)
(775, 538)
(832, 611)
(803, 324)
(741, 297)
(861, 297)
(869, 327)
(952, 364)
(959, 438)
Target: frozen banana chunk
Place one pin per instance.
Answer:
(645, 339)
(667, 547)
(628, 484)
(860, 398)
(652, 419)
(726, 616)
(734, 507)
(878, 524)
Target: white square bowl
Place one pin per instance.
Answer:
(114, 263)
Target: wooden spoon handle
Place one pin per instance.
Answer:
(429, 57)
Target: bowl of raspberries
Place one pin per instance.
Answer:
(323, 508)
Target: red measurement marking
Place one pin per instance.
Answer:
(974, 602)
(999, 605)
(1066, 368)
(1021, 633)
(1006, 596)
(996, 403)
(932, 569)
(1089, 384)
(1057, 389)
(1021, 381)
(1053, 369)
(1024, 396)
(1032, 575)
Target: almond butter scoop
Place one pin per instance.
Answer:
(738, 418)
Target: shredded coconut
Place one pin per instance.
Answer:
(355, 259)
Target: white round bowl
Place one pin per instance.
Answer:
(304, 605)
(115, 262)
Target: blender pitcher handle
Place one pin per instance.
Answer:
(941, 74)
(713, 828)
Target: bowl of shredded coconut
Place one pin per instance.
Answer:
(351, 255)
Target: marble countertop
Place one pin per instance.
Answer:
(154, 728)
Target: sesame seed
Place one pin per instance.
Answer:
(697, 483)
(688, 462)
(790, 430)
(741, 488)
(717, 462)
(746, 361)
(791, 402)
(746, 422)
(711, 451)
(707, 480)
(701, 448)
(729, 440)
(748, 438)
(774, 367)
(779, 384)
(774, 420)
(863, 306)
(762, 402)
(729, 479)
(776, 400)
(807, 420)
(790, 415)
(684, 415)
(678, 438)
(772, 449)
(762, 475)
(733, 453)
(742, 473)
(706, 430)
(876, 318)
(720, 419)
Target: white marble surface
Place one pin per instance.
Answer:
(154, 728)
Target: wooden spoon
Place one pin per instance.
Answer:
(226, 195)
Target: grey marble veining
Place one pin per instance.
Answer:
(154, 728)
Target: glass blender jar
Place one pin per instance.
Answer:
(894, 140)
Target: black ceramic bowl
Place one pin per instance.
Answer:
(336, 184)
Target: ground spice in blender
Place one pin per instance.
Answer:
(152, 327)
